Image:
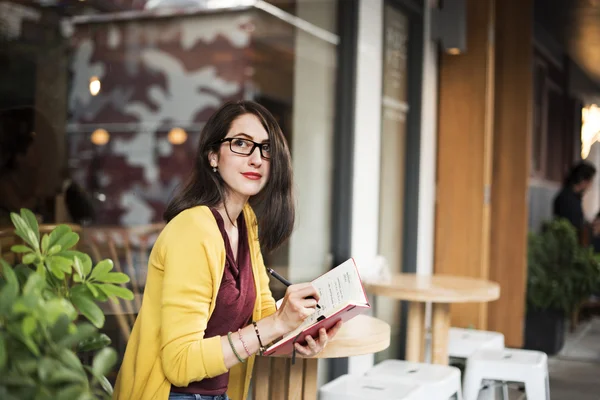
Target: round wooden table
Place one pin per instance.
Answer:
(440, 290)
(275, 378)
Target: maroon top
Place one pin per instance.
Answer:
(235, 304)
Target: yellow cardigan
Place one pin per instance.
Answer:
(167, 344)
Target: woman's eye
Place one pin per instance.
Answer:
(240, 143)
(266, 148)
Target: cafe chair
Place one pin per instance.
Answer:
(437, 382)
(462, 343)
(361, 387)
(508, 365)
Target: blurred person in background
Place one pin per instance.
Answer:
(568, 203)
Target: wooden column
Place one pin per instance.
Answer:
(464, 159)
(512, 127)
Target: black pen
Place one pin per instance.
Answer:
(286, 282)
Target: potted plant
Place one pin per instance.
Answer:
(49, 316)
(561, 274)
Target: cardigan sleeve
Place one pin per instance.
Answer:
(266, 297)
(187, 293)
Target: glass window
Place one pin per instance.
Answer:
(101, 110)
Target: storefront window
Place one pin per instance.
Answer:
(102, 105)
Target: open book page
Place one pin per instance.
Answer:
(337, 288)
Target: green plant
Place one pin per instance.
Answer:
(561, 273)
(42, 301)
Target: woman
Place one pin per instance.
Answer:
(207, 306)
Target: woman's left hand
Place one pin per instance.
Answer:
(314, 347)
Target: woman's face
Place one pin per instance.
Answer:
(245, 175)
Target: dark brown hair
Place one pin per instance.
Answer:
(274, 205)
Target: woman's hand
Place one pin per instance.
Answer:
(314, 347)
(295, 306)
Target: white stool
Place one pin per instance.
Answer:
(360, 387)
(464, 342)
(509, 365)
(438, 382)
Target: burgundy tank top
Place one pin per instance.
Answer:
(235, 304)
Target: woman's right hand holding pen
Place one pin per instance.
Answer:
(299, 302)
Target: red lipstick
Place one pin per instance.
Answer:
(252, 175)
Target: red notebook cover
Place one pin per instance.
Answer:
(287, 347)
(344, 314)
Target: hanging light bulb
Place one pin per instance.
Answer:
(177, 136)
(95, 85)
(100, 137)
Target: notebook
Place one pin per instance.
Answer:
(342, 297)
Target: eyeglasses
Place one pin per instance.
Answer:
(246, 147)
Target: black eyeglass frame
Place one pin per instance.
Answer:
(254, 146)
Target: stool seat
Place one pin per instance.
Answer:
(508, 365)
(436, 381)
(462, 343)
(360, 387)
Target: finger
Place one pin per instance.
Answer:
(306, 291)
(323, 336)
(302, 350)
(306, 303)
(333, 331)
(312, 344)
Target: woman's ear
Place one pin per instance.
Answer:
(212, 159)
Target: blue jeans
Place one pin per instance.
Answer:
(188, 396)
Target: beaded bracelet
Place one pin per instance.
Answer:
(243, 343)
(262, 348)
(240, 359)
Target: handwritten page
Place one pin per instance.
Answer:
(336, 288)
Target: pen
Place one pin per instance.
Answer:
(285, 282)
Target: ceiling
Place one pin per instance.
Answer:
(575, 24)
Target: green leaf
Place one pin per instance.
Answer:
(92, 288)
(54, 250)
(29, 258)
(62, 263)
(57, 307)
(57, 233)
(86, 261)
(104, 361)
(23, 230)
(60, 329)
(94, 343)
(29, 326)
(46, 367)
(78, 267)
(32, 223)
(83, 332)
(16, 332)
(67, 241)
(15, 379)
(10, 290)
(3, 355)
(102, 269)
(115, 277)
(55, 269)
(71, 392)
(118, 291)
(64, 375)
(35, 283)
(45, 242)
(19, 248)
(89, 309)
(70, 359)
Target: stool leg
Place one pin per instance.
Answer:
(472, 384)
(535, 388)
